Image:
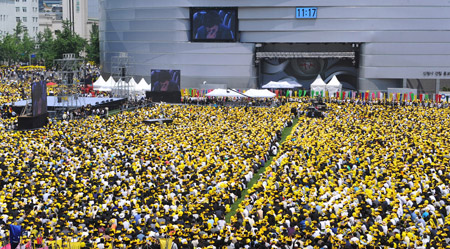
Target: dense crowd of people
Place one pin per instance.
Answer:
(365, 176)
(368, 174)
(117, 182)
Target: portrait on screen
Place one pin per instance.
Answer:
(213, 24)
(165, 80)
(39, 97)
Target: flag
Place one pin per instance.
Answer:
(420, 97)
(300, 92)
(367, 95)
(304, 93)
(405, 96)
(15, 232)
(411, 96)
(312, 93)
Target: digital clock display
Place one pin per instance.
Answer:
(306, 12)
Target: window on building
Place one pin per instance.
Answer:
(17, 9)
(24, 9)
(17, 19)
(24, 1)
(24, 19)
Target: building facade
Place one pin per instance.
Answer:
(76, 11)
(370, 45)
(27, 12)
(7, 17)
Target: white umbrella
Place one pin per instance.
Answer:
(259, 93)
(278, 84)
(224, 93)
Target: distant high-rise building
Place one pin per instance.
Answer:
(27, 12)
(7, 17)
(76, 11)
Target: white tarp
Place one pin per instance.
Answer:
(99, 83)
(334, 86)
(259, 93)
(143, 86)
(224, 93)
(279, 85)
(318, 85)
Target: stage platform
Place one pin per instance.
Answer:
(158, 121)
(53, 103)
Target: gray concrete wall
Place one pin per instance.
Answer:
(401, 38)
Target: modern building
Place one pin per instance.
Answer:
(7, 17)
(27, 12)
(76, 11)
(369, 45)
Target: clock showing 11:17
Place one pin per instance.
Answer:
(306, 12)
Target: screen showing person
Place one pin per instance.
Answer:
(165, 80)
(39, 97)
(213, 24)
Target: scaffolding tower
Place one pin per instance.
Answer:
(69, 75)
(120, 72)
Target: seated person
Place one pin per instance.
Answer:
(165, 84)
(213, 28)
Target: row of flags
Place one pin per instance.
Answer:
(377, 95)
(383, 96)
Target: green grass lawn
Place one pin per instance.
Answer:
(256, 176)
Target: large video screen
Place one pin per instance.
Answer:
(305, 71)
(39, 97)
(214, 24)
(165, 80)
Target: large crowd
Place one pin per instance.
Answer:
(118, 182)
(369, 174)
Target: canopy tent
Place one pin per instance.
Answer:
(318, 85)
(259, 93)
(224, 93)
(99, 83)
(110, 83)
(143, 86)
(279, 85)
(334, 86)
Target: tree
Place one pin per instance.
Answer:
(10, 49)
(68, 42)
(46, 51)
(93, 48)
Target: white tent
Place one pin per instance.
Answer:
(259, 93)
(99, 83)
(318, 85)
(143, 86)
(279, 85)
(110, 83)
(224, 93)
(334, 86)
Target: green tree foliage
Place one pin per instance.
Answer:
(46, 52)
(93, 48)
(17, 47)
(68, 41)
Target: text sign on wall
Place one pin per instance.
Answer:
(306, 12)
